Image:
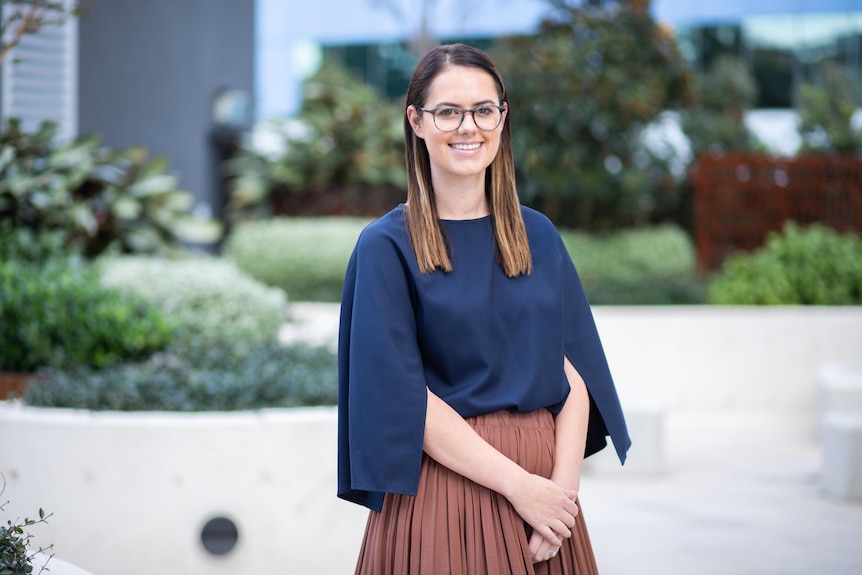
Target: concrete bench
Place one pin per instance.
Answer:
(645, 420)
(842, 454)
(839, 388)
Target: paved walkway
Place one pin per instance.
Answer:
(739, 495)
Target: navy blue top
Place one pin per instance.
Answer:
(480, 340)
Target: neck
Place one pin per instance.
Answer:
(463, 199)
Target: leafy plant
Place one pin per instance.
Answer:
(345, 136)
(648, 266)
(583, 90)
(57, 313)
(825, 112)
(724, 93)
(306, 257)
(800, 266)
(211, 301)
(15, 556)
(214, 379)
(95, 198)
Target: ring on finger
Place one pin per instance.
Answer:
(552, 552)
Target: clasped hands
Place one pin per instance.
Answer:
(550, 510)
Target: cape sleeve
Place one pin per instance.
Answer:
(381, 384)
(584, 349)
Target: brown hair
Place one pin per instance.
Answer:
(426, 233)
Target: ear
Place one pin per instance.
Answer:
(415, 119)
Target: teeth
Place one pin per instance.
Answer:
(466, 146)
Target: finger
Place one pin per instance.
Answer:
(561, 529)
(551, 536)
(571, 507)
(539, 548)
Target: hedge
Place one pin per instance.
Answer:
(307, 257)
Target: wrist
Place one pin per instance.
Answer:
(513, 484)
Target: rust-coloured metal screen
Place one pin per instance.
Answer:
(739, 198)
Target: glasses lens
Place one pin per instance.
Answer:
(488, 117)
(447, 119)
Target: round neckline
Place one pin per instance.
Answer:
(465, 220)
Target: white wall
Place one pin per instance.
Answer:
(711, 357)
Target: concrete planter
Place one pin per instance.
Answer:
(54, 566)
(131, 492)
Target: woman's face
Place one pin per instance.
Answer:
(468, 150)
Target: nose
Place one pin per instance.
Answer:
(464, 127)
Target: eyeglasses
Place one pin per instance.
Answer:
(449, 119)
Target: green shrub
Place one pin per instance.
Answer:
(346, 135)
(212, 302)
(95, 198)
(57, 314)
(306, 257)
(647, 266)
(269, 376)
(811, 266)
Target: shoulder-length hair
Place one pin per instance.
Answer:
(426, 233)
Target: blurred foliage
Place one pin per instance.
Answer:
(583, 89)
(715, 122)
(211, 301)
(92, 199)
(800, 266)
(345, 136)
(56, 313)
(645, 266)
(268, 376)
(825, 113)
(306, 257)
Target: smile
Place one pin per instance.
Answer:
(466, 146)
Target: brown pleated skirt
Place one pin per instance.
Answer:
(454, 526)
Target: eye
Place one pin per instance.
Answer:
(448, 112)
(485, 111)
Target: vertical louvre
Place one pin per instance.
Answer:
(40, 79)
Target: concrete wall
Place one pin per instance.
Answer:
(148, 72)
(130, 492)
(710, 357)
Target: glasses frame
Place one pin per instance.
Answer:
(464, 111)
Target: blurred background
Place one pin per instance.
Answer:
(182, 183)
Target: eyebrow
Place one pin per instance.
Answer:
(450, 104)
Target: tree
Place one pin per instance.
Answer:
(20, 17)
(582, 91)
(826, 111)
(724, 93)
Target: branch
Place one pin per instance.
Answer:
(30, 16)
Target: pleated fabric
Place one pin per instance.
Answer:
(457, 527)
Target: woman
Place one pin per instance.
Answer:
(472, 381)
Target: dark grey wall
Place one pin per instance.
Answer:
(148, 72)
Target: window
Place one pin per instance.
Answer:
(39, 79)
